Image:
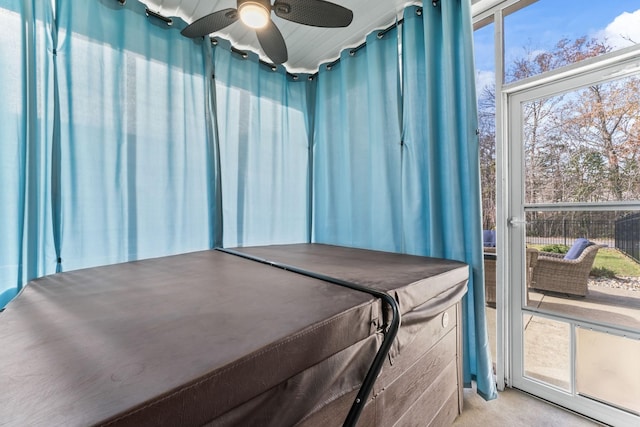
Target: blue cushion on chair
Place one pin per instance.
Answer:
(489, 238)
(576, 249)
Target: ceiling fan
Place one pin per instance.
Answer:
(257, 15)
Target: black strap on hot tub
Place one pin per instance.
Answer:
(390, 331)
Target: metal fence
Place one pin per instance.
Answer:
(564, 231)
(627, 233)
(623, 233)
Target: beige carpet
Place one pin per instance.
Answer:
(513, 408)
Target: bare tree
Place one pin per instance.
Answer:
(577, 142)
(604, 121)
(487, 139)
(579, 146)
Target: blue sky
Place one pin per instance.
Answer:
(543, 23)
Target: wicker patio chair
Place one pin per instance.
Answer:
(556, 274)
(490, 272)
(532, 262)
(490, 276)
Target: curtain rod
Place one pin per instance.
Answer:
(380, 35)
(330, 65)
(151, 13)
(273, 67)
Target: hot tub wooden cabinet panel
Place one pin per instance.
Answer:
(212, 338)
(421, 387)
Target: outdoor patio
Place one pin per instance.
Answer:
(615, 301)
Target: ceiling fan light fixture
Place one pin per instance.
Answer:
(254, 14)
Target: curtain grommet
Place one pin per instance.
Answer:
(380, 35)
(122, 2)
(352, 52)
(419, 11)
(214, 41)
(241, 53)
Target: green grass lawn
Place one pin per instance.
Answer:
(610, 262)
(616, 261)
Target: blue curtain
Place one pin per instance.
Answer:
(106, 138)
(357, 149)
(26, 126)
(264, 125)
(441, 172)
(133, 174)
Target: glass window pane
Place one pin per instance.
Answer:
(485, 88)
(486, 93)
(549, 34)
(602, 282)
(584, 146)
(599, 377)
(547, 351)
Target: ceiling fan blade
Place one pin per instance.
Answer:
(272, 43)
(317, 13)
(211, 23)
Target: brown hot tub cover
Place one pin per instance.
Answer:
(206, 337)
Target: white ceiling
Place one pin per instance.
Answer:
(308, 46)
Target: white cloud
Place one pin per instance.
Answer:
(623, 31)
(484, 79)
